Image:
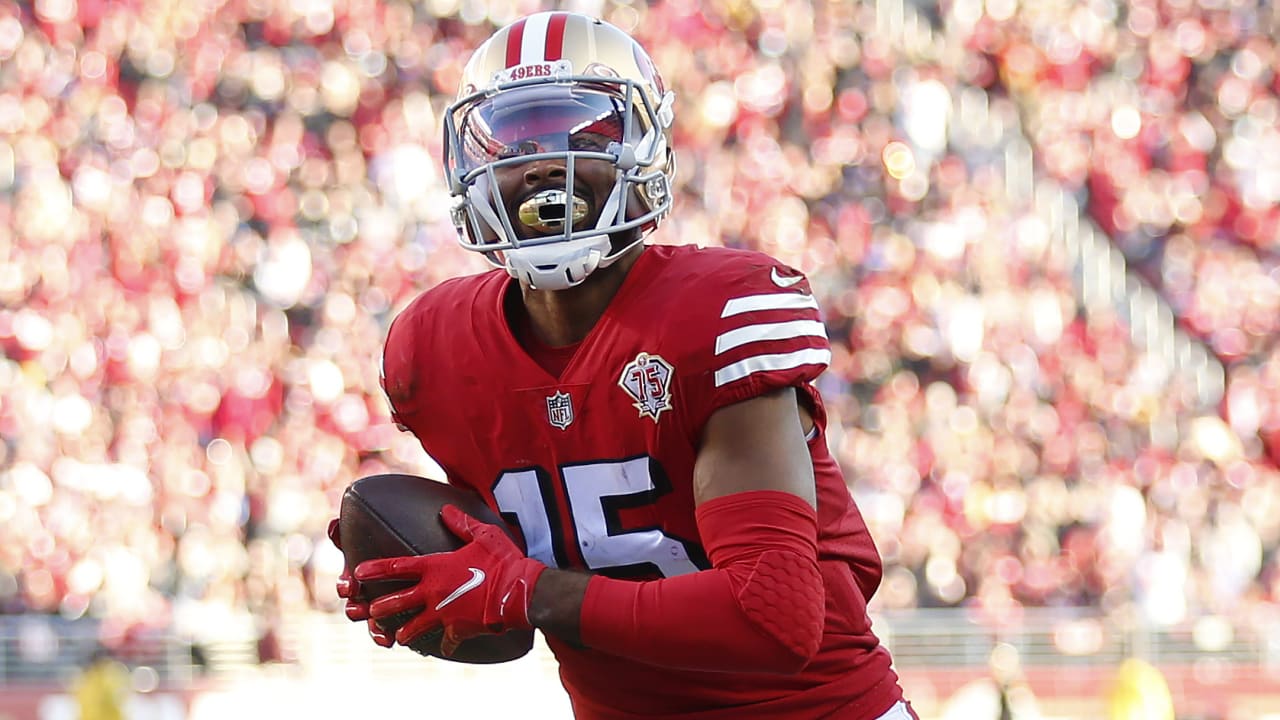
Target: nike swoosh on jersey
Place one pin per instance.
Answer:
(477, 577)
(783, 282)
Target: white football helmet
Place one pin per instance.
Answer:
(558, 86)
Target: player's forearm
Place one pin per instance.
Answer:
(761, 609)
(682, 624)
(556, 606)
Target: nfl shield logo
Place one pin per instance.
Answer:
(560, 409)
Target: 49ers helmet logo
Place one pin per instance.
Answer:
(647, 379)
(526, 71)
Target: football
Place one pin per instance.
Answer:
(395, 515)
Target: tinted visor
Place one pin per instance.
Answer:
(542, 119)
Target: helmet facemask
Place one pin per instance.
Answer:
(570, 119)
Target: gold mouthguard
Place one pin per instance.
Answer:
(544, 212)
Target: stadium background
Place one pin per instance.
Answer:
(1044, 234)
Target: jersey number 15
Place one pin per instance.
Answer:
(595, 494)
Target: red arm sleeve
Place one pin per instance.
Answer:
(759, 609)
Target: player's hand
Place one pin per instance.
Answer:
(483, 587)
(349, 589)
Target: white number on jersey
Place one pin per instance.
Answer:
(595, 492)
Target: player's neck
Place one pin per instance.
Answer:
(565, 317)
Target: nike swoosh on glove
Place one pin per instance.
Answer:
(482, 587)
(349, 589)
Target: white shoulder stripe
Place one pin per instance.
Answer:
(769, 331)
(766, 363)
(772, 301)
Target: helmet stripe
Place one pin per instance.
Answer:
(555, 36)
(535, 39)
(514, 40)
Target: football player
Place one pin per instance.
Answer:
(643, 415)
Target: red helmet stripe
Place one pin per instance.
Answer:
(515, 39)
(555, 36)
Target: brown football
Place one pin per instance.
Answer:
(395, 515)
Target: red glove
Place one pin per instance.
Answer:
(349, 590)
(483, 587)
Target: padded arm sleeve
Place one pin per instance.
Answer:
(761, 608)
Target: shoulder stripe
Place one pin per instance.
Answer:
(769, 331)
(767, 363)
(772, 301)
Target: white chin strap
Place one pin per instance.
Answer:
(557, 266)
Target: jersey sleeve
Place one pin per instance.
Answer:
(407, 374)
(754, 327)
(419, 375)
(400, 380)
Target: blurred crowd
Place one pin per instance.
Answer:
(213, 209)
(1164, 116)
(1168, 113)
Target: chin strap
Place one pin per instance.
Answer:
(615, 207)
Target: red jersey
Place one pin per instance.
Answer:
(594, 468)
